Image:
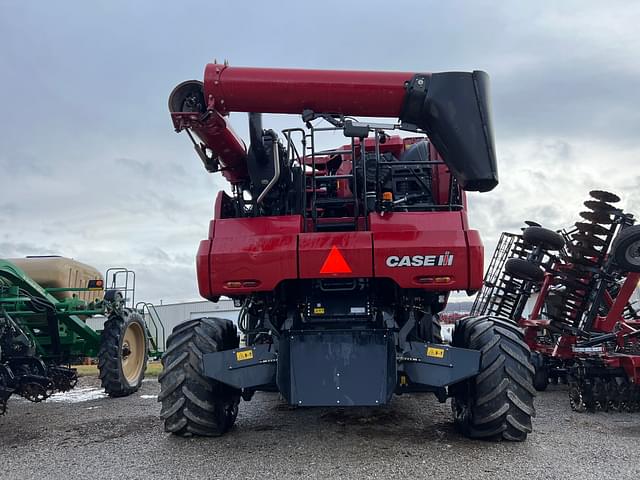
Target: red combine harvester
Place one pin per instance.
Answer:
(342, 259)
(577, 286)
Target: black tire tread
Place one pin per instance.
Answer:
(541, 379)
(523, 269)
(193, 404)
(621, 243)
(540, 236)
(500, 398)
(436, 329)
(109, 359)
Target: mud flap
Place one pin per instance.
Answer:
(337, 367)
(242, 367)
(436, 365)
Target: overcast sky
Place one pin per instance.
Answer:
(91, 168)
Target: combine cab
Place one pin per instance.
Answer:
(45, 303)
(576, 286)
(343, 257)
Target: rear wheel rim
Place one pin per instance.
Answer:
(632, 254)
(132, 353)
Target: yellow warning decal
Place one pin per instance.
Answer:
(244, 355)
(318, 311)
(435, 352)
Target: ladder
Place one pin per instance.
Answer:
(322, 185)
(155, 329)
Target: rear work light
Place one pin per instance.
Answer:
(242, 284)
(95, 284)
(434, 279)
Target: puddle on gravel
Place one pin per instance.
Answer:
(78, 395)
(86, 394)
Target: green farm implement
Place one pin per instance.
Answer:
(46, 304)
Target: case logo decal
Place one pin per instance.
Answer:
(442, 260)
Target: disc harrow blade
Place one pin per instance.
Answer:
(604, 196)
(601, 206)
(591, 228)
(602, 394)
(597, 217)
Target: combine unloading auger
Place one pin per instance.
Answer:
(452, 108)
(343, 258)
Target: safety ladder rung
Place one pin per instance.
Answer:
(333, 152)
(333, 177)
(350, 224)
(335, 201)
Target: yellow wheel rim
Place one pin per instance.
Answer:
(133, 352)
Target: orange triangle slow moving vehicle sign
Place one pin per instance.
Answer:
(335, 263)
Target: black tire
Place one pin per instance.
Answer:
(113, 295)
(193, 404)
(5, 391)
(541, 379)
(543, 237)
(430, 329)
(523, 269)
(626, 249)
(114, 353)
(436, 329)
(498, 402)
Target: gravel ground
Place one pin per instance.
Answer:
(96, 437)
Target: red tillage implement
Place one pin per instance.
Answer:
(581, 326)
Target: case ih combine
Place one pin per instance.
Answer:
(342, 258)
(577, 285)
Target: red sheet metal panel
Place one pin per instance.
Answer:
(421, 250)
(257, 253)
(202, 269)
(320, 255)
(476, 260)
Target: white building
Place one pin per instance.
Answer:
(173, 314)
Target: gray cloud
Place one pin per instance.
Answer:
(90, 167)
(21, 249)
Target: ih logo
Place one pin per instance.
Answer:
(335, 263)
(443, 260)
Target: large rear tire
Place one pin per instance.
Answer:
(525, 270)
(436, 329)
(498, 402)
(193, 404)
(626, 249)
(541, 379)
(123, 353)
(5, 391)
(429, 328)
(541, 375)
(543, 237)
